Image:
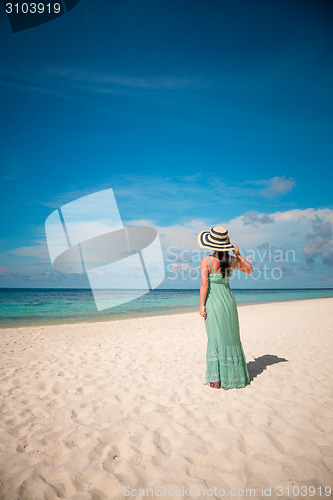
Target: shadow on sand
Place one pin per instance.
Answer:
(259, 364)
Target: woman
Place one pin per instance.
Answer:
(226, 363)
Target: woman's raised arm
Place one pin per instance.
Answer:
(241, 263)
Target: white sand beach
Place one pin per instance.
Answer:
(89, 409)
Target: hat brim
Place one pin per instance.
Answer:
(205, 242)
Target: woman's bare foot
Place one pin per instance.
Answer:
(216, 385)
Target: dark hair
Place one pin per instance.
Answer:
(224, 262)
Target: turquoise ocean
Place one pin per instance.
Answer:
(37, 306)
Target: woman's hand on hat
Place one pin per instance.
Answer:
(202, 312)
(236, 250)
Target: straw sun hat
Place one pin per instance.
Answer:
(217, 239)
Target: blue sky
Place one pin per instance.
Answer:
(195, 114)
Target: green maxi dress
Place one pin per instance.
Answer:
(225, 357)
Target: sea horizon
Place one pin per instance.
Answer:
(160, 289)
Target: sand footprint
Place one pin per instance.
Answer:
(162, 443)
(56, 389)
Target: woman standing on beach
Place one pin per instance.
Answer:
(226, 363)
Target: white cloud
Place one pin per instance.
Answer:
(320, 244)
(38, 251)
(277, 186)
(306, 255)
(253, 218)
(278, 234)
(112, 79)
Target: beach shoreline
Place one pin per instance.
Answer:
(74, 321)
(91, 407)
